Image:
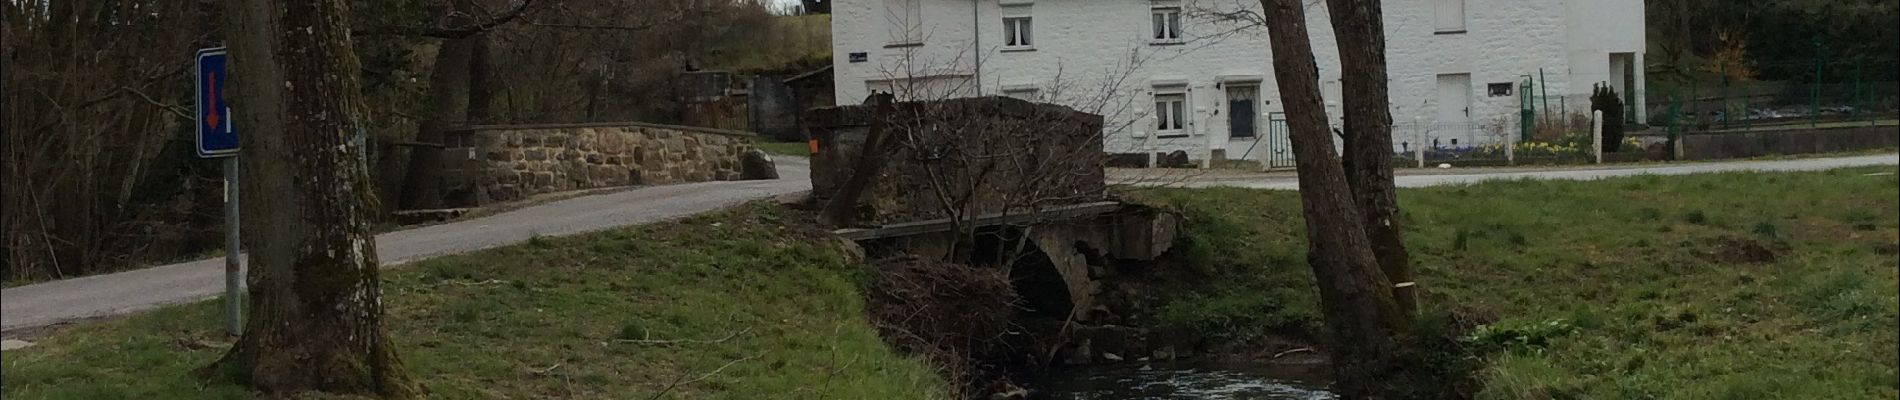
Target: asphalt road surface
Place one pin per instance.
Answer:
(131, 291)
(125, 292)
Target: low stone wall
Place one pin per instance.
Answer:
(486, 164)
(1709, 146)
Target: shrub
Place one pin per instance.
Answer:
(1520, 336)
(1604, 99)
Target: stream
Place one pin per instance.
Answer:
(1187, 380)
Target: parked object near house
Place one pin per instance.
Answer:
(1171, 75)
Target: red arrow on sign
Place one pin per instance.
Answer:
(211, 110)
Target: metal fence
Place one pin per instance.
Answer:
(1776, 95)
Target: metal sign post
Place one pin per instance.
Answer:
(216, 139)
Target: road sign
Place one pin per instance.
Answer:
(216, 138)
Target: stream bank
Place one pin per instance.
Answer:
(1073, 307)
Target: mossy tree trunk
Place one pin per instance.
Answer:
(1361, 40)
(315, 321)
(1359, 311)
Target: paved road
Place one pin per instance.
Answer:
(1422, 178)
(125, 292)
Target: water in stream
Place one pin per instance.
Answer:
(1187, 380)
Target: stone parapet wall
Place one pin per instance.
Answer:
(487, 164)
(983, 154)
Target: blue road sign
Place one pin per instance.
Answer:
(216, 138)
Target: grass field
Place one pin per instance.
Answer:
(778, 315)
(1642, 287)
(783, 148)
(1725, 286)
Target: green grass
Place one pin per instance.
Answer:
(1609, 289)
(540, 320)
(783, 148)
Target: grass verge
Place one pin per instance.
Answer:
(1737, 285)
(763, 309)
(799, 149)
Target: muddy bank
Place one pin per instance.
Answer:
(1003, 309)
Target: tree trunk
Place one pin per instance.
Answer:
(448, 106)
(1361, 40)
(842, 209)
(315, 322)
(481, 89)
(1358, 309)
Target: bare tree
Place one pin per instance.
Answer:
(447, 104)
(1358, 308)
(1360, 34)
(316, 312)
(842, 208)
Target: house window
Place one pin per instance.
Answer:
(1167, 25)
(1451, 16)
(906, 19)
(1499, 89)
(1016, 33)
(1170, 115)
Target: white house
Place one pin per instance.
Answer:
(1185, 75)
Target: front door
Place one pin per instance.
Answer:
(1454, 111)
(1242, 112)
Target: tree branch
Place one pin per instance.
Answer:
(517, 12)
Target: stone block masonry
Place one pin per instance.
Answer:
(974, 155)
(489, 164)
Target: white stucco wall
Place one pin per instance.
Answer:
(1097, 56)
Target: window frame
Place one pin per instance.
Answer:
(1165, 25)
(910, 22)
(1171, 108)
(1439, 12)
(1491, 89)
(1022, 28)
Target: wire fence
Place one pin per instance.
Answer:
(1493, 143)
(1776, 95)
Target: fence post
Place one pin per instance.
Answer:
(1544, 86)
(1596, 134)
(1814, 91)
(1747, 124)
(1727, 113)
(1695, 107)
(1510, 150)
(1418, 136)
(1527, 110)
(1857, 87)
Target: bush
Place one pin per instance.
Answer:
(957, 316)
(1604, 99)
